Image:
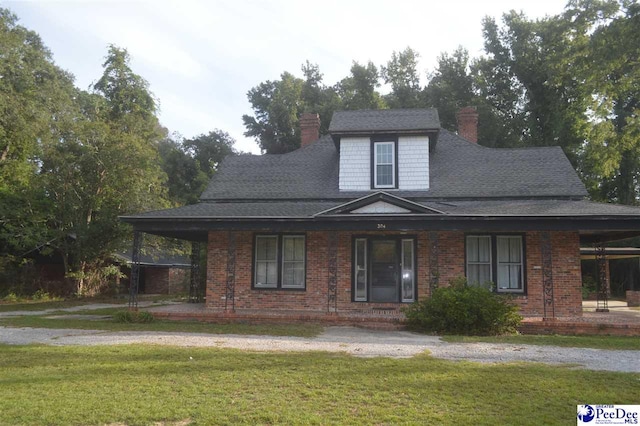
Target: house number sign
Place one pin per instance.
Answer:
(382, 226)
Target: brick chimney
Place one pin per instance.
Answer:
(467, 119)
(309, 128)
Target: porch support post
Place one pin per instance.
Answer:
(547, 275)
(195, 294)
(602, 293)
(135, 270)
(229, 300)
(332, 280)
(434, 275)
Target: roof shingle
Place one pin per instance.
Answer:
(391, 120)
(459, 169)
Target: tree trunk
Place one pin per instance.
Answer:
(626, 179)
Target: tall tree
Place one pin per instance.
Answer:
(536, 62)
(104, 164)
(450, 87)
(185, 179)
(317, 97)
(277, 106)
(401, 72)
(359, 90)
(209, 150)
(35, 96)
(611, 73)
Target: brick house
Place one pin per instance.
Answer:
(383, 209)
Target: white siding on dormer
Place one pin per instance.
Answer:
(413, 164)
(380, 207)
(413, 159)
(355, 164)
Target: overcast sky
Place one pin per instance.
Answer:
(201, 57)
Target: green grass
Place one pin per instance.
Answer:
(36, 305)
(302, 330)
(140, 385)
(41, 306)
(596, 342)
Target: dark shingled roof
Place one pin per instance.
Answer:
(307, 209)
(391, 120)
(459, 169)
(256, 209)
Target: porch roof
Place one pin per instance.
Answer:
(595, 221)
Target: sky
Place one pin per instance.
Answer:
(202, 57)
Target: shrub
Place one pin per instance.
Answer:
(133, 317)
(144, 317)
(43, 296)
(589, 286)
(464, 309)
(11, 298)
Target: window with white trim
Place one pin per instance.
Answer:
(384, 165)
(498, 259)
(279, 261)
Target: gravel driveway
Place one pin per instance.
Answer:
(355, 341)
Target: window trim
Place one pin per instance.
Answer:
(279, 261)
(398, 240)
(384, 139)
(494, 259)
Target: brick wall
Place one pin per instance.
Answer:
(166, 280)
(633, 298)
(451, 258)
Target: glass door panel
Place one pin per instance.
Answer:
(384, 271)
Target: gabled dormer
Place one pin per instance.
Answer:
(385, 149)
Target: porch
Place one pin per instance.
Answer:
(620, 320)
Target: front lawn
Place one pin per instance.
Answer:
(595, 342)
(301, 330)
(137, 384)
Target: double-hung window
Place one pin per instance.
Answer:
(498, 259)
(279, 261)
(384, 165)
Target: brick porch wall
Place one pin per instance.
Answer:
(565, 265)
(166, 280)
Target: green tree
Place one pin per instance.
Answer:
(317, 97)
(209, 150)
(276, 106)
(359, 90)
(611, 73)
(35, 97)
(185, 179)
(104, 164)
(401, 72)
(450, 87)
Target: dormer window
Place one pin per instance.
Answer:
(384, 164)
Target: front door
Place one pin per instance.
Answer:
(384, 271)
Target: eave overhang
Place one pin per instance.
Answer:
(591, 228)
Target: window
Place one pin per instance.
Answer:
(279, 261)
(509, 263)
(496, 258)
(384, 270)
(384, 165)
(478, 259)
